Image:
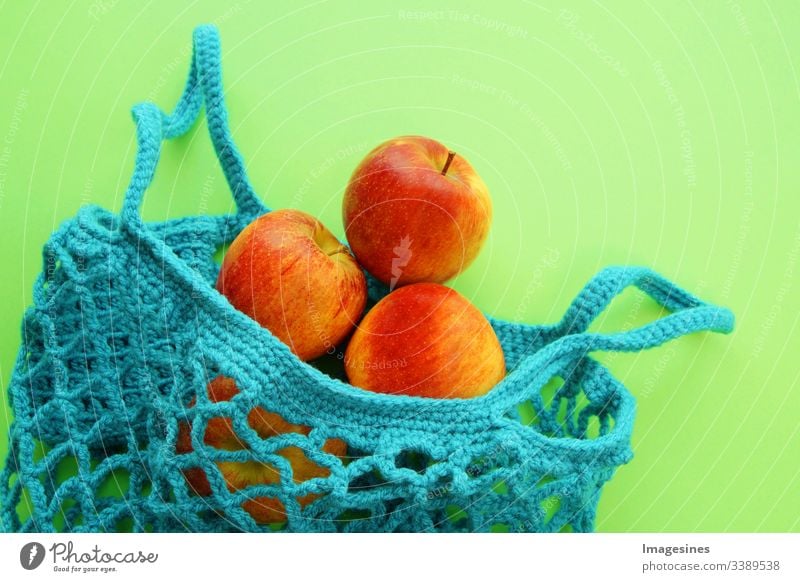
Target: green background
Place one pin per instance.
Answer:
(608, 133)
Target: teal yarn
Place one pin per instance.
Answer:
(126, 329)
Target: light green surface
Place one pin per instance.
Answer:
(619, 133)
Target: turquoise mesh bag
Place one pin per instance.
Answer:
(126, 331)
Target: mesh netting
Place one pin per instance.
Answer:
(130, 359)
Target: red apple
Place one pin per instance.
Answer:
(220, 434)
(415, 211)
(425, 340)
(289, 273)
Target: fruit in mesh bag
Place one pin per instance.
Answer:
(415, 211)
(220, 434)
(289, 273)
(425, 340)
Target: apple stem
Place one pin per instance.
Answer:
(450, 156)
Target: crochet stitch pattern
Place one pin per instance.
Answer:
(127, 329)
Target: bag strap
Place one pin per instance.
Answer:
(204, 85)
(689, 315)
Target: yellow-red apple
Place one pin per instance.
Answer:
(220, 434)
(415, 211)
(425, 340)
(289, 273)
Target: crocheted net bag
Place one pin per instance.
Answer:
(126, 329)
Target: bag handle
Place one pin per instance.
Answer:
(689, 315)
(153, 126)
